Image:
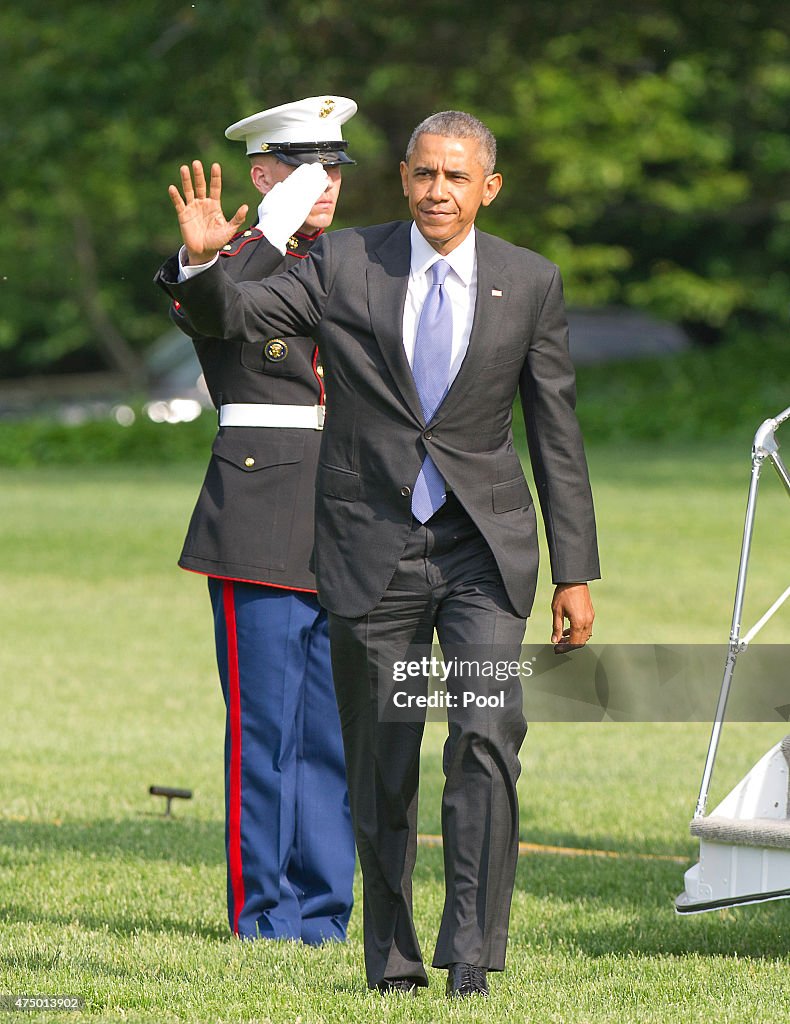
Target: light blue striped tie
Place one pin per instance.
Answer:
(431, 369)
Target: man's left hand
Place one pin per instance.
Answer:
(571, 601)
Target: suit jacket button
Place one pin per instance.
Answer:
(249, 461)
(428, 434)
(405, 491)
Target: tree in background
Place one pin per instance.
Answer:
(645, 149)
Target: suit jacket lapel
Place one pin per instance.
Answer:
(387, 281)
(492, 278)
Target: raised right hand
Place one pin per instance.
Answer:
(204, 228)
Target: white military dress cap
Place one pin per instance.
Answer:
(307, 131)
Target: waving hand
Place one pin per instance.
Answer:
(204, 228)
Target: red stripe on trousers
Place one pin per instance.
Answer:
(234, 712)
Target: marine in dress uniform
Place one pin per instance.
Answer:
(289, 840)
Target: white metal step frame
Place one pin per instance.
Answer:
(745, 842)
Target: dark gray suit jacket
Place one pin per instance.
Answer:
(349, 297)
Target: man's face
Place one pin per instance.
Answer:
(446, 185)
(266, 171)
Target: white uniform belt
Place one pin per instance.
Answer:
(251, 414)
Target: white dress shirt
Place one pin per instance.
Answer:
(460, 288)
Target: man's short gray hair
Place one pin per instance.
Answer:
(455, 124)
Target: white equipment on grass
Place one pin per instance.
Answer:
(745, 842)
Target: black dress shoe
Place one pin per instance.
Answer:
(406, 985)
(466, 980)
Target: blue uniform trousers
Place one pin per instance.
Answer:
(289, 840)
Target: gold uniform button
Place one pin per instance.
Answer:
(320, 371)
(249, 461)
(247, 234)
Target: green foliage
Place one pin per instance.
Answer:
(651, 140)
(644, 149)
(103, 441)
(721, 392)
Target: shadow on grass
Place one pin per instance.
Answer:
(180, 840)
(601, 906)
(119, 923)
(637, 846)
(625, 907)
(126, 845)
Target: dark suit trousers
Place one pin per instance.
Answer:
(446, 580)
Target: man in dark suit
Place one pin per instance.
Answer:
(289, 841)
(424, 519)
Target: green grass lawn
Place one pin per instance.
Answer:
(107, 685)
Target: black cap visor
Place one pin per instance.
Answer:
(329, 154)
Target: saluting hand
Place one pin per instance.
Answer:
(203, 225)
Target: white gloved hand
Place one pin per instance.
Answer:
(286, 205)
